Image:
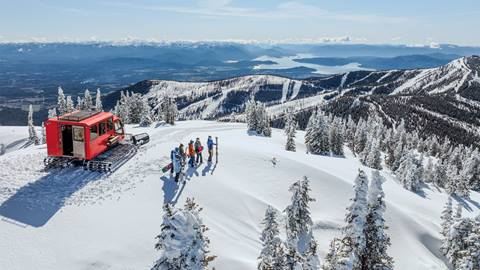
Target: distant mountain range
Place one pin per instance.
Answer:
(31, 72)
(444, 101)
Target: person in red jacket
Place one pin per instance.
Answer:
(198, 150)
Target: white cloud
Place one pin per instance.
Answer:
(286, 10)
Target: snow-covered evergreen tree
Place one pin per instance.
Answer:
(447, 217)
(311, 260)
(43, 135)
(336, 137)
(440, 174)
(182, 242)
(251, 115)
(346, 252)
(299, 222)
(32, 133)
(52, 113)
(317, 134)
(360, 137)
(433, 146)
(263, 120)
(80, 103)
(257, 118)
(122, 109)
(61, 102)
(146, 118)
(270, 240)
(470, 173)
(293, 259)
(452, 178)
(350, 132)
(87, 100)
(461, 245)
(429, 172)
(98, 101)
(377, 241)
(70, 107)
(374, 156)
(279, 258)
(290, 131)
(169, 110)
(398, 154)
(410, 172)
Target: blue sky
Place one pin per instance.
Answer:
(358, 21)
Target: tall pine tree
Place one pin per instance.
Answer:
(290, 131)
(32, 133)
(346, 252)
(377, 241)
(270, 240)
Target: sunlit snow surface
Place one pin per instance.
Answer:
(74, 219)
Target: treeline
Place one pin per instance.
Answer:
(132, 108)
(413, 159)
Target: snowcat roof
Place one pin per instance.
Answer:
(84, 117)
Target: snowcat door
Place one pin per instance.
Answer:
(79, 142)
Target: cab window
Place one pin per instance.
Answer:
(78, 134)
(102, 128)
(93, 132)
(110, 124)
(118, 127)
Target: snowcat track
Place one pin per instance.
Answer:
(57, 162)
(112, 159)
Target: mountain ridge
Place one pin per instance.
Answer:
(446, 100)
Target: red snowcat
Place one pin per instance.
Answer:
(95, 139)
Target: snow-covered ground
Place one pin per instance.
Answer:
(74, 219)
(14, 138)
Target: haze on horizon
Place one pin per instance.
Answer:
(309, 21)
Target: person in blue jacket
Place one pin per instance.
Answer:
(176, 163)
(210, 145)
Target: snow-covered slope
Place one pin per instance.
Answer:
(74, 219)
(445, 100)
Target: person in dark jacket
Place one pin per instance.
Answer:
(198, 150)
(183, 155)
(172, 158)
(210, 145)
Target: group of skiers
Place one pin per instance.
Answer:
(193, 152)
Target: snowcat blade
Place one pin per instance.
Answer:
(140, 139)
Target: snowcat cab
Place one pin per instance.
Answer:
(95, 139)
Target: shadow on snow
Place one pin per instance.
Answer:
(36, 203)
(173, 190)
